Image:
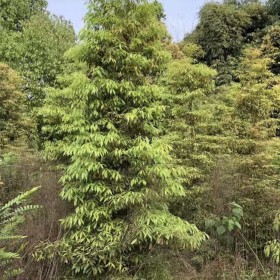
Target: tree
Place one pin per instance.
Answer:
(274, 7)
(38, 53)
(259, 20)
(13, 120)
(223, 31)
(105, 130)
(270, 48)
(42, 53)
(14, 12)
(253, 143)
(240, 3)
(220, 31)
(190, 124)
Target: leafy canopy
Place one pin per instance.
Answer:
(104, 129)
(14, 12)
(13, 120)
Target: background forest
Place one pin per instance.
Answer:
(127, 156)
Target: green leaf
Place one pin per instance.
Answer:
(221, 230)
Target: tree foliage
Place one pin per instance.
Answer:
(117, 172)
(42, 53)
(14, 12)
(38, 53)
(223, 31)
(220, 31)
(253, 143)
(13, 120)
(270, 48)
(189, 86)
(274, 6)
(156, 141)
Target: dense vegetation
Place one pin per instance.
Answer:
(165, 154)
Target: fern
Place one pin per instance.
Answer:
(11, 216)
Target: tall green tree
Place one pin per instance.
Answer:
(36, 53)
(41, 53)
(270, 48)
(14, 12)
(13, 118)
(105, 131)
(252, 144)
(191, 130)
(274, 6)
(220, 31)
(223, 31)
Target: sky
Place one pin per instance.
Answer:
(181, 15)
